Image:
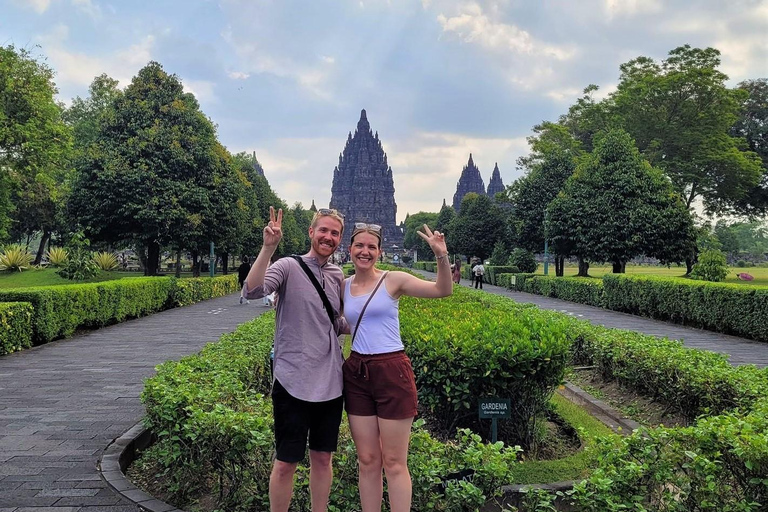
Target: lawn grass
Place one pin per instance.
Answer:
(573, 467)
(759, 273)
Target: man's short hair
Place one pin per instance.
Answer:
(328, 212)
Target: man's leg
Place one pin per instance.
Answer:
(281, 485)
(320, 479)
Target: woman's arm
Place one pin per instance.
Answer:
(407, 284)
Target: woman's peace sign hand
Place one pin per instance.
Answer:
(435, 240)
(273, 231)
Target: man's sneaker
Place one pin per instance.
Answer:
(241, 299)
(247, 301)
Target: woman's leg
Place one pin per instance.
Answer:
(395, 436)
(365, 433)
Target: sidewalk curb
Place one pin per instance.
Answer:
(116, 458)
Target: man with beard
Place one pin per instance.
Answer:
(307, 379)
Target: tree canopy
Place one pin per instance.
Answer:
(616, 206)
(477, 227)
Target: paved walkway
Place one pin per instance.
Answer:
(741, 350)
(62, 403)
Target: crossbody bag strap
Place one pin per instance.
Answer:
(381, 280)
(320, 291)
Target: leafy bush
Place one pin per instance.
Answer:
(15, 326)
(57, 256)
(741, 263)
(500, 254)
(711, 266)
(523, 260)
(80, 264)
(485, 352)
(15, 257)
(105, 261)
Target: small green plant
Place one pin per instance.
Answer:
(711, 266)
(105, 260)
(15, 257)
(80, 264)
(57, 256)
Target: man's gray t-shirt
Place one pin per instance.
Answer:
(308, 356)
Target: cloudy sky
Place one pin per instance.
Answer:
(439, 79)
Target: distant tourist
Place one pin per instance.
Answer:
(379, 384)
(456, 270)
(478, 271)
(242, 273)
(307, 379)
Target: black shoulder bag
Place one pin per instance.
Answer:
(320, 291)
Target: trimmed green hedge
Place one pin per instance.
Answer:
(584, 290)
(60, 310)
(15, 326)
(721, 307)
(464, 348)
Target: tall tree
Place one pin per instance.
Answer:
(150, 175)
(34, 144)
(616, 206)
(413, 224)
(553, 157)
(680, 112)
(477, 227)
(752, 125)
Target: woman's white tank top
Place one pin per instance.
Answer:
(379, 330)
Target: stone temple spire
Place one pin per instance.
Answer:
(495, 185)
(470, 181)
(363, 188)
(313, 208)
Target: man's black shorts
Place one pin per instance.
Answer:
(296, 419)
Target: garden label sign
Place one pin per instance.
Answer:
(494, 409)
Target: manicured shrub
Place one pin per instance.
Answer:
(584, 290)
(491, 273)
(191, 290)
(741, 263)
(711, 266)
(15, 326)
(59, 310)
(723, 307)
(464, 349)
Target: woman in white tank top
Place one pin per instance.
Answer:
(379, 387)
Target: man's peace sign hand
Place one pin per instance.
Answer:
(273, 231)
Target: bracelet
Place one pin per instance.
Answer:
(442, 257)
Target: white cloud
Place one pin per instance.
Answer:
(39, 6)
(238, 75)
(88, 7)
(630, 8)
(79, 69)
(202, 89)
(255, 58)
(472, 25)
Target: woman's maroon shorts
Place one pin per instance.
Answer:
(380, 385)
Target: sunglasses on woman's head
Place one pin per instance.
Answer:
(371, 227)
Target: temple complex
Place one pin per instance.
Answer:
(495, 185)
(363, 188)
(470, 181)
